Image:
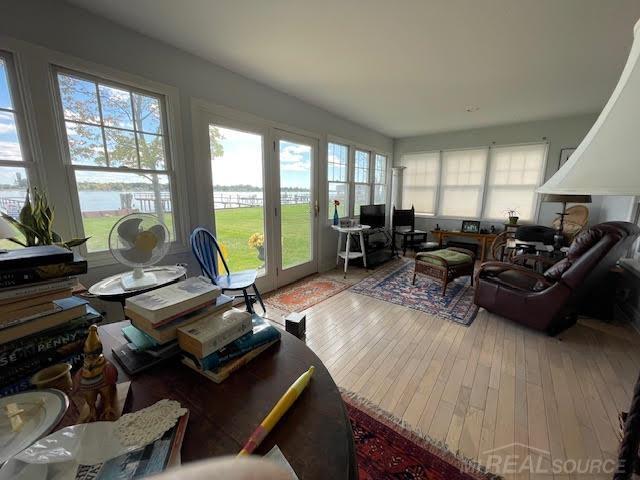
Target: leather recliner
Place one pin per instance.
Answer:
(550, 301)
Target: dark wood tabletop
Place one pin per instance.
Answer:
(314, 435)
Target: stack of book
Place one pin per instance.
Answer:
(41, 322)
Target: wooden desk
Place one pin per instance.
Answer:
(484, 239)
(314, 435)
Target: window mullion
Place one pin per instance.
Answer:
(104, 135)
(135, 132)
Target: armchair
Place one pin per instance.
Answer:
(550, 301)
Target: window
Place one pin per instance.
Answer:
(118, 150)
(462, 180)
(514, 175)
(361, 180)
(338, 178)
(14, 161)
(481, 182)
(420, 181)
(380, 179)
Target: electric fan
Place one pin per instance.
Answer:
(138, 240)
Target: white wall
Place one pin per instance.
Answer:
(73, 31)
(559, 132)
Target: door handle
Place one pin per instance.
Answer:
(316, 208)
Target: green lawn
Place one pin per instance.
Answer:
(234, 227)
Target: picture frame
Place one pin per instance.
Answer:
(565, 153)
(470, 226)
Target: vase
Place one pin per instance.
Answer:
(513, 220)
(336, 217)
(260, 252)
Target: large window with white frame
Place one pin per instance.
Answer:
(338, 178)
(474, 183)
(15, 162)
(379, 179)
(361, 180)
(117, 145)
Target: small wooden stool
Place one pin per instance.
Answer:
(446, 265)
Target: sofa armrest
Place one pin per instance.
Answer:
(496, 268)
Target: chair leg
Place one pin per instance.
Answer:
(247, 301)
(259, 297)
(413, 282)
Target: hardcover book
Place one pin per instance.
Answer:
(213, 332)
(14, 294)
(164, 304)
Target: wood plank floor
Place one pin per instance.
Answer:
(491, 385)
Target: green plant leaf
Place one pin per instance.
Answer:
(75, 242)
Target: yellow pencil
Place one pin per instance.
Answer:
(277, 412)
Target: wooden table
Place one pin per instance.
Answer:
(347, 254)
(483, 239)
(314, 435)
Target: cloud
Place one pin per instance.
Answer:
(295, 158)
(10, 151)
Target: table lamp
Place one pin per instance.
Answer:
(563, 199)
(6, 231)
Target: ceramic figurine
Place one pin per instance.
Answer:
(97, 379)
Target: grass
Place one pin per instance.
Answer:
(234, 227)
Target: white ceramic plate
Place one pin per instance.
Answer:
(39, 422)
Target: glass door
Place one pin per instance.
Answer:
(296, 213)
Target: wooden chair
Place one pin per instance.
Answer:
(207, 250)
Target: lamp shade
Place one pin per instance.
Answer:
(607, 161)
(559, 198)
(6, 230)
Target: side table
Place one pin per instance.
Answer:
(347, 254)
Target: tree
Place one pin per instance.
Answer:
(133, 134)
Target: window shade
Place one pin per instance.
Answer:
(420, 181)
(462, 181)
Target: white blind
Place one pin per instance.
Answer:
(462, 182)
(420, 181)
(514, 174)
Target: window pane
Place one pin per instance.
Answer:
(79, 99)
(121, 148)
(106, 196)
(419, 181)
(151, 151)
(116, 107)
(338, 159)
(381, 169)
(238, 195)
(9, 143)
(147, 113)
(13, 191)
(362, 198)
(463, 177)
(361, 172)
(514, 174)
(5, 92)
(85, 144)
(379, 194)
(340, 192)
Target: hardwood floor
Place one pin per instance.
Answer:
(491, 385)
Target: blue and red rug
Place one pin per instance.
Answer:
(392, 283)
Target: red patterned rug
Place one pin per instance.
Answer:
(386, 450)
(305, 293)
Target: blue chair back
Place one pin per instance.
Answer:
(206, 250)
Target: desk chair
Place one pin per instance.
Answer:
(206, 250)
(404, 224)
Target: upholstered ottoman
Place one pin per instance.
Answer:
(445, 265)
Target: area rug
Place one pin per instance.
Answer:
(392, 283)
(305, 293)
(386, 449)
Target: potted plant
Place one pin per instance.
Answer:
(35, 223)
(257, 241)
(336, 217)
(512, 216)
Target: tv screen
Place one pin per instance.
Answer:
(372, 215)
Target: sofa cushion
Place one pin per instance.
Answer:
(451, 256)
(514, 279)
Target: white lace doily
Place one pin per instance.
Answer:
(149, 424)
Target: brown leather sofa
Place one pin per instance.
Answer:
(550, 301)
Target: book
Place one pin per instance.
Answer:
(213, 332)
(38, 273)
(13, 294)
(261, 334)
(169, 331)
(46, 297)
(16, 317)
(141, 340)
(34, 257)
(134, 362)
(13, 352)
(143, 462)
(165, 304)
(222, 373)
(71, 308)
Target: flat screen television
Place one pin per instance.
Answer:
(373, 215)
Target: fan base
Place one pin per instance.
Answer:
(131, 281)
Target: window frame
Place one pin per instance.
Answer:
(347, 181)
(385, 170)
(368, 183)
(485, 184)
(169, 98)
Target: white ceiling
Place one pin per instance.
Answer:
(406, 67)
